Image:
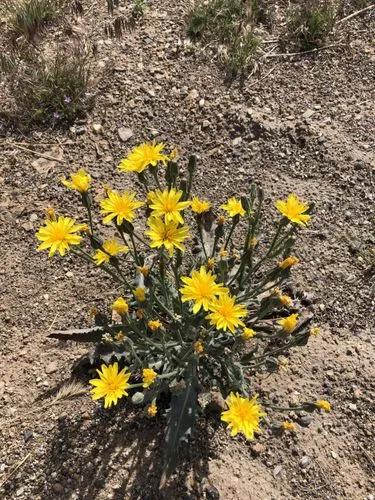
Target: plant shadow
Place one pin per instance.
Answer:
(119, 454)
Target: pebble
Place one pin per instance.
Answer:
(69, 274)
(58, 488)
(305, 462)
(334, 455)
(97, 128)
(205, 124)
(352, 406)
(305, 421)
(236, 141)
(125, 133)
(51, 367)
(277, 470)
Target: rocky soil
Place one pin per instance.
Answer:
(303, 124)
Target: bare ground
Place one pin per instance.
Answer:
(307, 126)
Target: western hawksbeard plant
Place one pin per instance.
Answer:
(203, 298)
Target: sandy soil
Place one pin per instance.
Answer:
(305, 126)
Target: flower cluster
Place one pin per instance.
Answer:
(203, 298)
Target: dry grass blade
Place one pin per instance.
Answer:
(67, 391)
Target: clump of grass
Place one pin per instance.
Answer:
(27, 17)
(47, 89)
(309, 23)
(228, 22)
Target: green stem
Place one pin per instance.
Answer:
(234, 223)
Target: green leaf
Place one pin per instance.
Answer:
(181, 421)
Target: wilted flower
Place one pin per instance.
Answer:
(288, 426)
(148, 377)
(152, 410)
(288, 262)
(315, 331)
(248, 333)
(140, 294)
(289, 323)
(198, 347)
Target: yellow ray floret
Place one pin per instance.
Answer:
(111, 384)
(233, 207)
(170, 235)
(120, 306)
(111, 249)
(293, 209)
(80, 181)
(200, 206)
(58, 235)
(243, 415)
(167, 204)
(152, 410)
(142, 156)
(201, 288)
(248, 333)
(289, 323)
(288, 262)
(323, 404)
(148, 377)
(119, 206)
(226, 314)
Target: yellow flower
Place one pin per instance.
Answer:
(289, 323)
(154, 324)
(140, 294)
(288, 262)
(58, 235)
(285, 300)
(112, 248)
(120, 306)
(315, 331)
(148, 377)
(223, 253)
(142, 156)
(233, 207)
(169, 235)
(119, 206)
(200, 206)
(210, 264)
(111, 384)
(288, 426)
(144, 270)
(80, 181)
(200, 288)
(152, 410)
(323, 405)
(167, 203)
(248, 333)
(198, 347)
(226, 313)
(243, 415)
(293, 209)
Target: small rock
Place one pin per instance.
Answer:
(193, 94)
(305, 421)
(69, 274)
(51, 367)
(27, 435)
(97, 128)
(258, 448)
(201, 103)
(277, 470)
(80, 130)
(58, 488)
(305, 462)
(352, 406)
(205, 124)
(33, 217)
(125, 133)
(217, 403)
(236, 141)
(308, 113)
(334, 455)
(20, 491)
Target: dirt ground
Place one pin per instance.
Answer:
(302, 124)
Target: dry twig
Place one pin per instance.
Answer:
(36, 153)
(15, 469)
(357, 13)
(291, 54)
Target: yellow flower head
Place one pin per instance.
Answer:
(111, 384)
(201, 288)
(142, 156)
(243, 415)
(288, 262)
(233, 207)
(111, 248)
(144, 270)
(253, 242)
(198, 347)
(248, 333)
(120, 306)
(200, 206)
(58, 235)
(288, 426)
(323, 405)
(148, 377)
(315, 331)
(154, 324)
(293, 209)
(289, 323)
(169, 235)
(167, 204)
(285, 300)
(210, 264)
(152, 410)
(223, 253)
(226, 314)
(80, 181)
(119, 206)
(140, 294)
